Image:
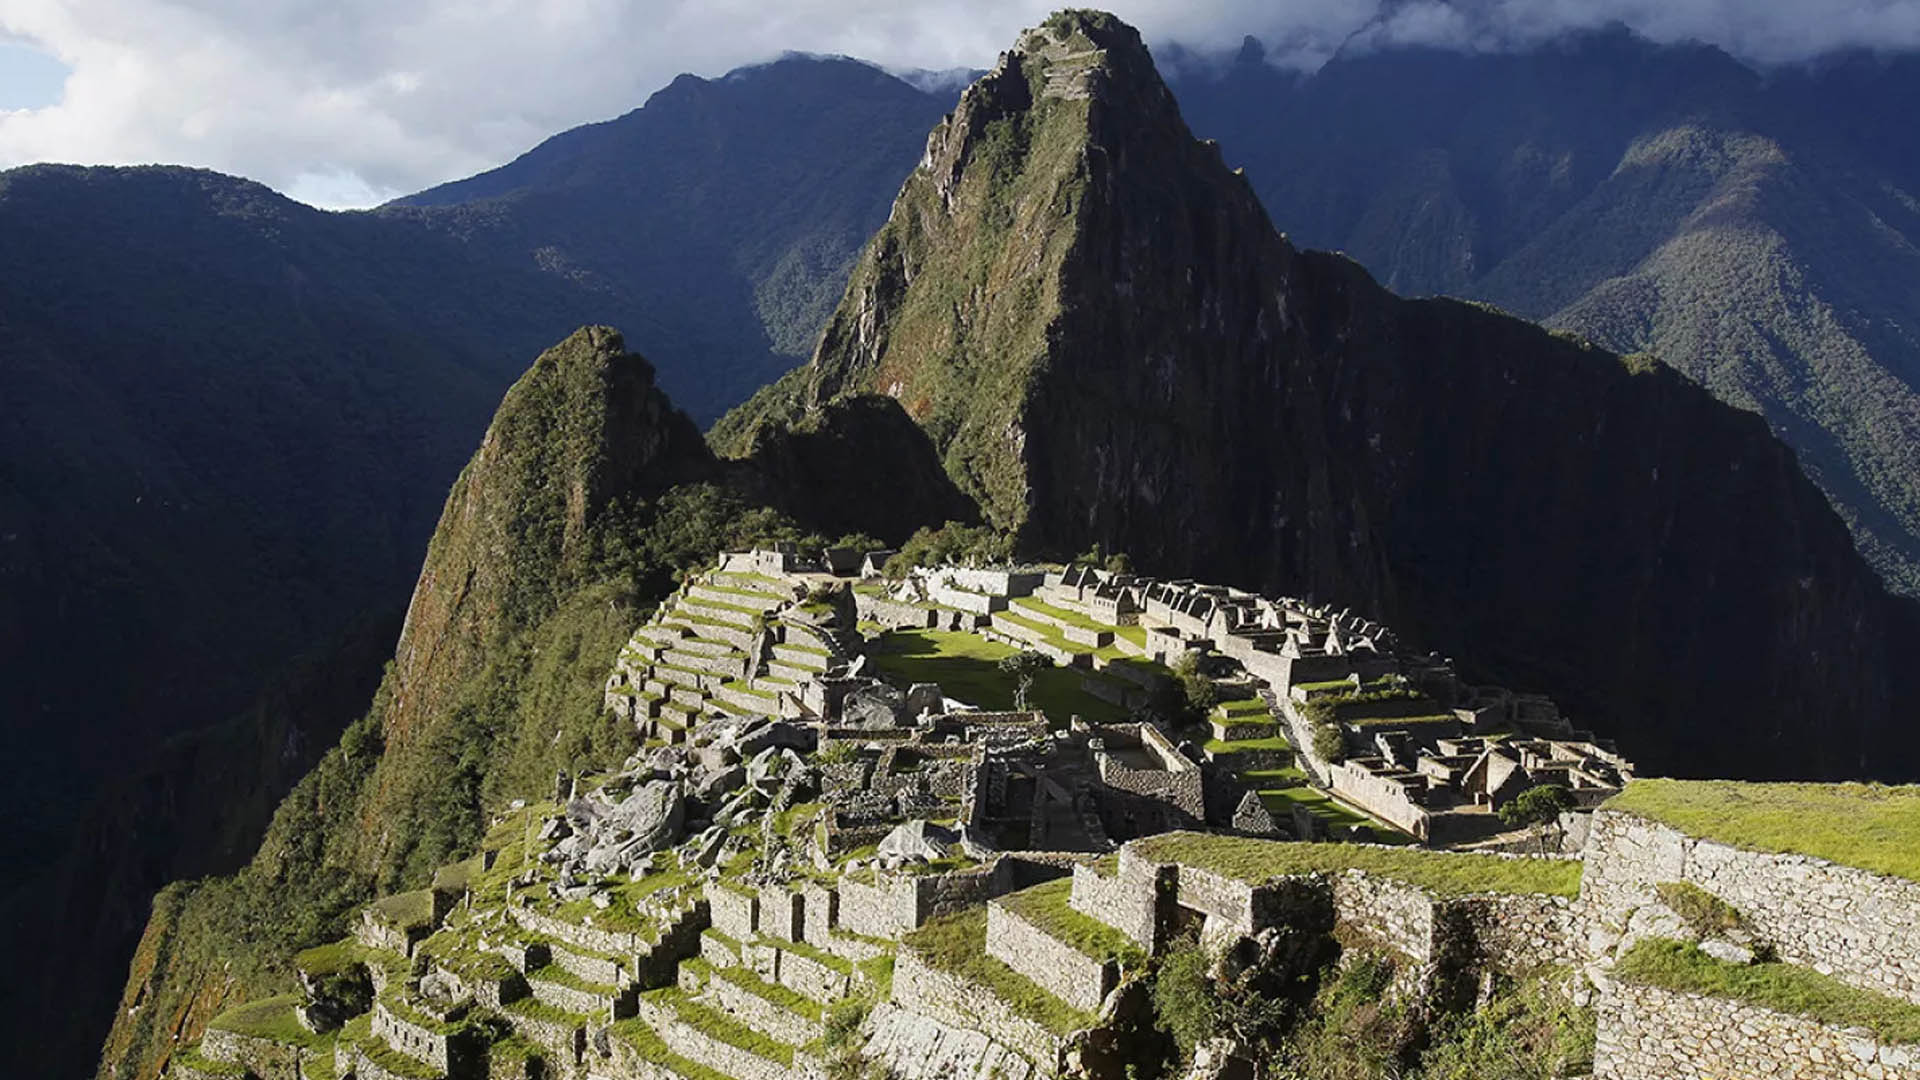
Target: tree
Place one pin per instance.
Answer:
(1201, 694)
(1023, 666)
(1538, 808)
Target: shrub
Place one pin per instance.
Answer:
(1704, 913)
(1328, 744)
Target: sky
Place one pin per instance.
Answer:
(347, 103)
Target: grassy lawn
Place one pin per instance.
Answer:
(1871, 826)
(1046, 907)
(1785, 988)
(965, 667)
(957, 944)
(1441, 872)
(270, 1018)
(1244, 709)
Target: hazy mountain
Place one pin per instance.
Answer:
(1107, 343)
(1755, 230)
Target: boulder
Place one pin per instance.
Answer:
(917, 841)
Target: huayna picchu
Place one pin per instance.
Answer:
(1131, 647)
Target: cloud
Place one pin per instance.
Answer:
(348, 102)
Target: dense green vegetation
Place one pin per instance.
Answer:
(1784, 988)
(1444, 873)
(1870, 826)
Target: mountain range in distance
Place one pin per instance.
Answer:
(237, 415)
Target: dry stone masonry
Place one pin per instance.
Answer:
(798, 824)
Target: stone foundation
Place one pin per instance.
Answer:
(1647, 1033)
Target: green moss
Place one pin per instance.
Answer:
(271, 1018)
(1784, 988)
(1869, 826)
(1441, 872)
(1046, 907)
(957, 944)
(1704, 912)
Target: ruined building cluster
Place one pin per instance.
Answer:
(806, 828)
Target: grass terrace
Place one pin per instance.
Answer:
(1064, 615)
(407, 910)
(1869, 826)
(1785, 988)
(965, 666)
(1046, 907)
(337, 958)
(1251, 708)
(1440, 872)
(715, 1024)
(192, 1059)
(957, 945)
(359, 1033)
(646, 1043)
(270, 1018)
(791, 1000)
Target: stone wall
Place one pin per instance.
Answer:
(1396, 915)
(1380, 797)
(446, 1053)
(763, 1015)
(891, 613)
(1514, 934)
(910, 1046)
(782, 914)
(604, 970)
(871, 910)
(1860, 927)
(962, 1003)
(734, 913)
(1647, 1033)
(264, 1058)
(1126, 899)
(688, 1042)
(1062, 970)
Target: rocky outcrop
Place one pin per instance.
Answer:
(1106, 341)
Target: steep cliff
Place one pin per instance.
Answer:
(1106, 341)
(588, 495)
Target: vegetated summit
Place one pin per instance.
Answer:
(1098, 328)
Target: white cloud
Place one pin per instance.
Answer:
(345, 102)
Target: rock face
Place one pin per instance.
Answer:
(1096, 325)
